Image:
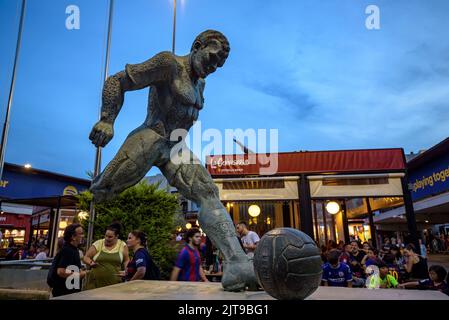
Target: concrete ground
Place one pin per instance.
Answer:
(168, 290)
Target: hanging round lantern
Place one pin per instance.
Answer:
(254, 210)
(333, 207)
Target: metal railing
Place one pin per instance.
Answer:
(27, 263)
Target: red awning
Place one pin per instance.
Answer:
(287, 163)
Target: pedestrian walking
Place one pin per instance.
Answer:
(188, 264)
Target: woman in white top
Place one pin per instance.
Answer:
(106, 257)
(42, 253)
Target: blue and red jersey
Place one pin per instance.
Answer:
(189, 261)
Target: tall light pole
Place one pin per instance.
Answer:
(174, 28)
(11, 92)
(90, 230)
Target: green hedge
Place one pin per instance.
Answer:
(143, 207)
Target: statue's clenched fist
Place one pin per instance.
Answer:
(101, 133)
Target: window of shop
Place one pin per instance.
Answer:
(40, 224)
(12, 237)
(353, 214)
(270, 214)
(264, 221)
(324, 223)
(358, 213)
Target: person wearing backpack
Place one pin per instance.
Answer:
(67, 263)
(142, 266)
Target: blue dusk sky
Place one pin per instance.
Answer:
(310, 69)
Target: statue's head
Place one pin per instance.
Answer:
(209, 51)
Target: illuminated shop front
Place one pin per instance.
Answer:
(428, 174)
(14, 226)
(36, 205)
(356, 211)
(14, 229)
(50, 218)
(40, 224)
(264, 203)
(330, 195)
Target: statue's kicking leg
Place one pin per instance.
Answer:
(134, 159)
(194, 182)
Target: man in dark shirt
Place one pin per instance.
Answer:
(355, 264)
(68, 273)
(356, 253)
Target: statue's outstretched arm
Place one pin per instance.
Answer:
(158, 69)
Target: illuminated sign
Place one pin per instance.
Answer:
(430, 179)
(70, 191)
(3, 183)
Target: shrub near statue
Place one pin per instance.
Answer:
(176, 96)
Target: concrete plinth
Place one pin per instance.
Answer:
(18, 294)
(170, 290)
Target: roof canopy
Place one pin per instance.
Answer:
(433, 153)
(291, 163)
(49, 202)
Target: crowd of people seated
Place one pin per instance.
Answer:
(395, 265)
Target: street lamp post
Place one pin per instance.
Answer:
(174, 27)
(90, 230)
(11, 92)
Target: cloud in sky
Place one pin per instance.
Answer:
(310, 69)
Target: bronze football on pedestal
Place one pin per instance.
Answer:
(288, 264)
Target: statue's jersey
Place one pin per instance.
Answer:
(170, 107)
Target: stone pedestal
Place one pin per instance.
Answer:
(173, 290)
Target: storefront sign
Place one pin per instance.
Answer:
(3, 183)
(430, 179)
(35, 221)
(237, 164)
(44, 218)
(16, 220)
(285, 163)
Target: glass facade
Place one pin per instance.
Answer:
(273, 214)
(354, 213)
